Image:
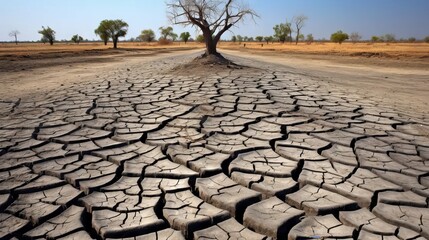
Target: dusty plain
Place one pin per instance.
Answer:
(313, 141)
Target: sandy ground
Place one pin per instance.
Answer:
(396, 81)
(28, 77)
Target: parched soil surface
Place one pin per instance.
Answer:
(143, 152)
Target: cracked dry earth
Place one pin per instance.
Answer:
(236, 154)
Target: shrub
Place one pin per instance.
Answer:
(339, 37)
(310, 39)
(375, 39)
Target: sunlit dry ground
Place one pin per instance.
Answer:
(109, 144)
(114, 144)
(387, 50)
(32, 49)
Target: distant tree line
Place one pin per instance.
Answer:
(111, 30)
(288, 31)
(291, 31)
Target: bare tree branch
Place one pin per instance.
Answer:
(213, 17)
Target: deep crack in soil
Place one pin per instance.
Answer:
(211, 152)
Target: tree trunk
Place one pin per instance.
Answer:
(297, 36)
(115, 43)
(105, 43)
(51, 42)
(210, 43)
(16, 40)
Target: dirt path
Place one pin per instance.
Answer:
(395, 84)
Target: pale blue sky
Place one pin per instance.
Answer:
(404, 18)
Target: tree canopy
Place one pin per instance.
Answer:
(77, 39)
(310, 38)
(200, 38)
(282, 31)
(268, 39)
(388, 37)
(167, 33)
(113, 29)
(48, 35)
(147, 35)
(339, 37)
(185, 36)
(102, 32)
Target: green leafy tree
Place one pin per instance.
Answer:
(185, 36)
(289, 26)
(375, 39)
(339, 37)
(239, 38)
(259, 38)
(174, 37)
(167, 32)
(147, 35)
(200, 38)
(234, 39)
(76, 38)
(282, 31)
(388, 38)
(48, 35)
(113, 29)
(426, 39)
(412, 39)
(102, 31)
(268, 39)
(310, 38)
(14, 34)
(44, 40)
(301, 37)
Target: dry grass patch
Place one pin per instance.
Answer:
(391, 50)
(30, 49)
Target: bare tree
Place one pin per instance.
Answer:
(213, 17)
(355, 37)
(299, 23)
(14, 34)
